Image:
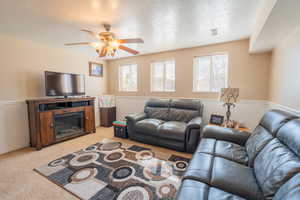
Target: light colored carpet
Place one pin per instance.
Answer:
(19, 181)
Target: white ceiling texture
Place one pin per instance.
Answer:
(163, 24)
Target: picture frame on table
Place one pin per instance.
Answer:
(96, 69)
(216, 119)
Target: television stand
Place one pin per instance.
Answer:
(53, 120)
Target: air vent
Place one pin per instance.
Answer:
(214, 31)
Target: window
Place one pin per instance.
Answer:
(163, 76)
(210, 73)
(128, 78)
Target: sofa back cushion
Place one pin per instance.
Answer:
(274, 119)
(184, 110)
(289, 135)
(274, 165)
(157, 109)
(265, 132)
(259, 138)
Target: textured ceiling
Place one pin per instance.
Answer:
(163, 24)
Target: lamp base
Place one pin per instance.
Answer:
(228, 122)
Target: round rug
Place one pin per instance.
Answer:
(157, 170)
(134, 193)
(57, 162)
(166, 191)
(84, 159)
(180, 165)
(113, 157)
(122, 173)
(83, 175)
(144, 155)
(91, 148)
(110, 146)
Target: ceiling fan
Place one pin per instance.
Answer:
(108, 44)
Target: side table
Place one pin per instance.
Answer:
(240, 128)
(107, 116)
(120, 129)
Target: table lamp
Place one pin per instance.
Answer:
(229, 96)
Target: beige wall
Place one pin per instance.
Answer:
(285, 72)
(248, 72)
(22, 66)
(23, 62)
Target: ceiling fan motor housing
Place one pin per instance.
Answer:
(109, 44)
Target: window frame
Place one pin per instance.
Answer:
(137, 77)
(226, 71)
(164, 76)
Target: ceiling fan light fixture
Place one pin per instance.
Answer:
(115, 44)
(108, 44)
(97, 45)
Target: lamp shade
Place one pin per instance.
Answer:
(229, 95)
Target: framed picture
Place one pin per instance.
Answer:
(216, 119)
(96, 69)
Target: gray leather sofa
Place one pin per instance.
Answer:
(229, 164)
(171, 123)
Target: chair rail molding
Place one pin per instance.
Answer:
(14, 121)
(272, 105)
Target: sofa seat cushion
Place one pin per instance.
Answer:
(194, 190)
(224, 149)
(235, 178)
(172, 130)
(224, 174)
(231, 151)
(200, 168)
(148, 126)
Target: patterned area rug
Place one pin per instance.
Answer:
(114, 170)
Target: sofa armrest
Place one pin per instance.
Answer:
(227, 134)
(195, 123)
(192, 134)
(135, 117)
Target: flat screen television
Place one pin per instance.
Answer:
(64, 84)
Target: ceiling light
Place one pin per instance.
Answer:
(97, 44)
(115, 43)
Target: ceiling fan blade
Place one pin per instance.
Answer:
(132, 40)
(129, 50)
(91, 33)
(103, 52)
(79, 43)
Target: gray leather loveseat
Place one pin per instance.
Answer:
(229, 164)
(171, 123)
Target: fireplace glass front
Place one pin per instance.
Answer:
(68, 124)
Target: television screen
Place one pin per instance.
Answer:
(63, 84)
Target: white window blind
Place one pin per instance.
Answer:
(210, 73)
(128, 78)
(163, 76)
